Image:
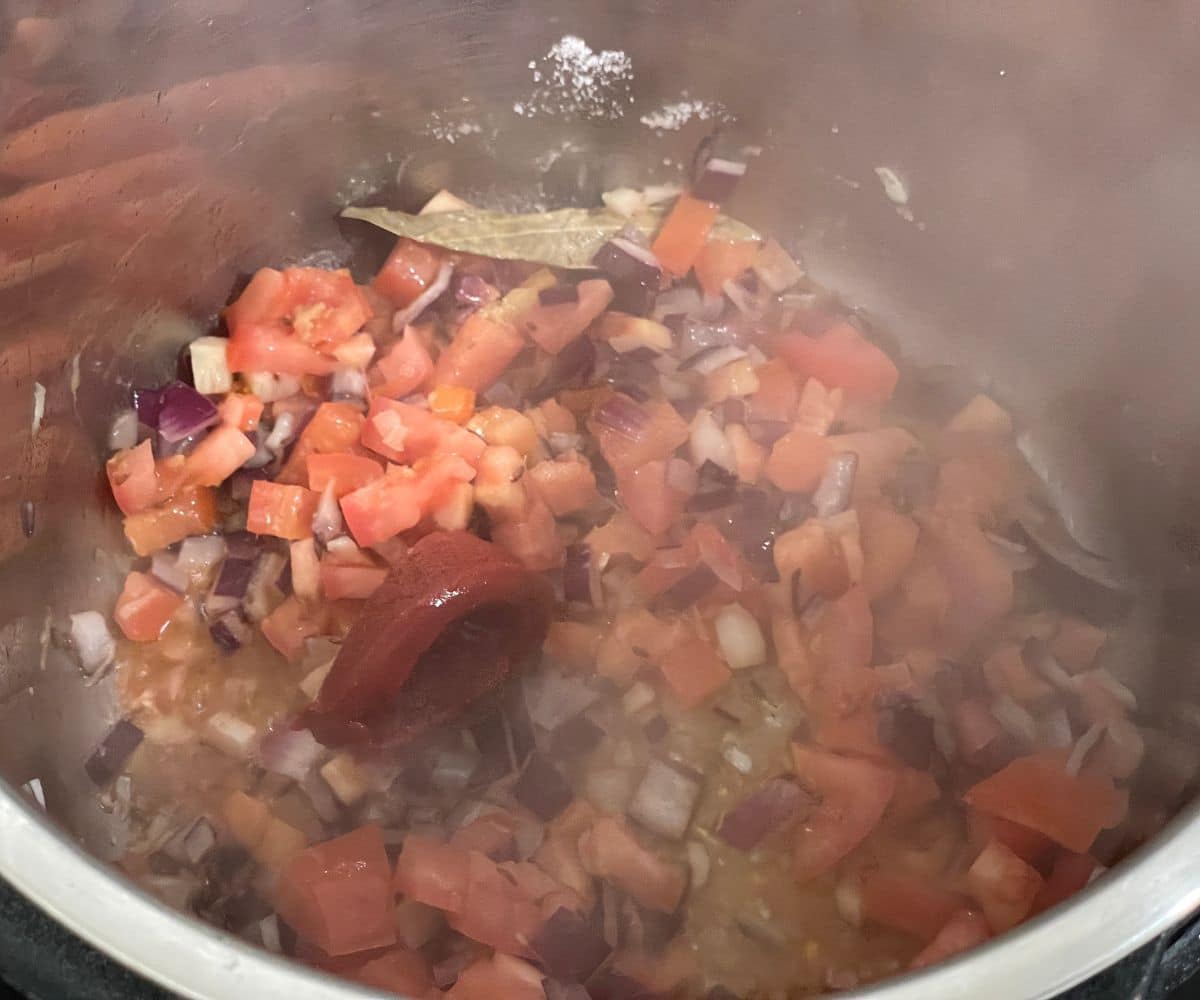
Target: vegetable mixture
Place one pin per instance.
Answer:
(503, 630)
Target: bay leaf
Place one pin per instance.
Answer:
(567, 237)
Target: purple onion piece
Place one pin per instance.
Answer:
(558, 295)
(568, 946)
(473, 291)
(634, 273)
(778, 803)
(767, 432)
(624, 415)
(242, 545)
(734, 411)
(447, 971)
(712, 359)
(148, 403)
(713, 499)
(686, 592)
(564, 991)
(28, 518)
(608, 984)
(576, 737)
(230, 631)
(183, 412)
(577, 574)
(234, 577)
(542, 789)
(284, 580)
(572, 366)
(110, 757)
(656, 729)
(491, 740)
(520, 728)
(717, 179)
(833, 493)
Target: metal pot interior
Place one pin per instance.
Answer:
(1045, 251)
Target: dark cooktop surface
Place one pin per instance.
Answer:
(41, 961)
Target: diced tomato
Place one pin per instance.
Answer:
(353, 582)
(242, 410)
(975, 486)
(344, 472)
(401, 971)
(889, 542)
(854, 794)
(716, 552)
(1029, 845)
(452, 402)
(914, 613)
(144, 607)
(819, 407)
(647, 495)
(404, 368)
(493, 835)
(338, 895)
(1037, 792)
(480, 352)
(282, 511)
(398, 501)
(314, 306)
(683, 235)
(965, 930)
(915, 790)
(1007, 673)
(289, 625)
(695, 671)
(218, 456)
(842, 357)
(356, 352)
(974, 726)
(659, 432)
(792, 654)
(777, 395)
(191, 511)
(553, 327)
(1070, 874)
(334, 428)
(908, 903)
(812, 552)
(798, 460)
(407, 433)
(432, 873)
(246, 818)
(1003, 885)
(843, 638)
(495, 912)
(132, 478)
(565, 486)
(610, 851)
(721, 261)
(845, 713)
(409, 269)
(571, 645)
(621, 535)
(266, 347)
(979, 578)
(533, 539)
(1077, 643)
(500, 977)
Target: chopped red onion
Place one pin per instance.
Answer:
(621, 414)
(665, 799)
(230, 631)
(234, 577)
(713, 359)
(432, 293)
(147, 404)
(656, 729)
(746, 295)
(834, 492)
(123, 432)
(717, 180)
(110, 757)
(348, 385)
(634, 272)
(291, 752)
(552, 698)
(28, 518)
(580, 583)
(542, 789)
(777, 804)
(447, 971)
(571, 366)
(558, 295)
(181, 412)
(696, 337)
(327, 520)
(680, 300)
(576, 738)
(93, 641)
(686, 592)
(471, 291)
(569, 946)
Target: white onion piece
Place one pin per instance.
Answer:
(699, 862)
(321, 798)
(681, 476)
(608, 788)
(561, 442)
(836, 487)
(234, 737)
(738, 759)
(348, 383)
(710, 361)
(198, 841)
(740, 638)
(290, 752)
(453, 769)
(33, 789)
(682, 300)
(1083, 746)
(1110, 684)
(92, 640)
(123, 431)
(626, 202)
(199, 555)
(748, 303)
(1018, 556)
(848, 897)
(1055, 729)
(665, 799)
(413, 310)
(271, 388)
(775, 268)
(345, 780)
(327, 520)
(281, 434)
(268, 930)
(1048, 666)
(1014, 720)
(210, 368)
(708, 443)
(552, 698)
(164, 567)
(639, 696)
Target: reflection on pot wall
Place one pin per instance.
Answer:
(1046, 244)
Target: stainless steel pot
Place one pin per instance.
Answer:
(1047, 245)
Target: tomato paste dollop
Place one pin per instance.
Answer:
(452, 621)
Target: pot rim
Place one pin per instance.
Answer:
(1147, 895)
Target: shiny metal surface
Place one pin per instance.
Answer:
(1048, 248)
